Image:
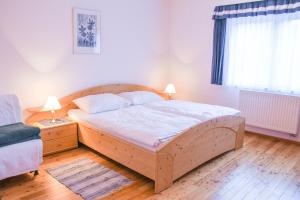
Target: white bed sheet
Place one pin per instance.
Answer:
(20, 158)
(143, 126)
(151, 125)
(203, 112)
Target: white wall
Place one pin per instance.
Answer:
(191, 43)
(191, 38)
(36, 58)
(148, 42)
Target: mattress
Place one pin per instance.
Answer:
(138, 124)
(20, 158)
(151, 125)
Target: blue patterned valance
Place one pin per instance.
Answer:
(257, 8)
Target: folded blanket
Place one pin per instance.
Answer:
(17, 133)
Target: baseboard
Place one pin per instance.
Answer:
(274, 137)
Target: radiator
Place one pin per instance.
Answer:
(271, 111)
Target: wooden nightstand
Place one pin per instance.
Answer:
(58, 137)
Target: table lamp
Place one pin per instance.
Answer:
(170, 89)
(52, 104)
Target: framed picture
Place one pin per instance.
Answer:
(86, 25)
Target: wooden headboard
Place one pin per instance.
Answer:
(67, 102)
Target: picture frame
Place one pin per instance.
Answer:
(86, 31)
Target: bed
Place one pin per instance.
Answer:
(160, 140)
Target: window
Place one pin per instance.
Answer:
(263, 53)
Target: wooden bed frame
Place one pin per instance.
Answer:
(175, 158)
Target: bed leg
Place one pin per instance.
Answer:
(164, 172)
(240, 136)
(36, 172)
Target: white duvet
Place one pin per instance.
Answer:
(150, 125)
(203, 112)
(143, 126)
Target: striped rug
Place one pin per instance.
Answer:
(88, 178)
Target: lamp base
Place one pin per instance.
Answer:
(170, 96)
(53, 119)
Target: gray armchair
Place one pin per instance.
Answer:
(20, 145)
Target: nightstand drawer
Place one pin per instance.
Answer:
(61, 144)
(59, 132)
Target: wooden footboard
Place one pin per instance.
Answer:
(196, 146)
(187, 151)
(128, 154)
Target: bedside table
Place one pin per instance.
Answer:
(59, 136)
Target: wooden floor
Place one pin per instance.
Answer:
(264, 169)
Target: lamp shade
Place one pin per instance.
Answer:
(52, 104)
(170, 89)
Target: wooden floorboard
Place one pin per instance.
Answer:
(266, 168)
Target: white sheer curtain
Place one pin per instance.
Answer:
(263, 53)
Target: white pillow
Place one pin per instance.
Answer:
(101, 103)
(141, 97)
